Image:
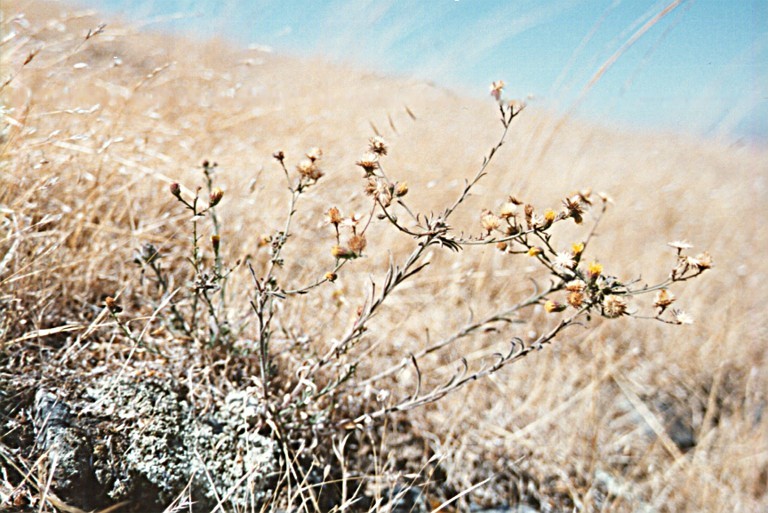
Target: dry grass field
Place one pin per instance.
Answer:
(624, 414)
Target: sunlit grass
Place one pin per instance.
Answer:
(621, 417)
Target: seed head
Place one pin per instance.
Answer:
(529, 216)
(682, 317)
(215, 242)
(357, 244)
(308, 168)
(369, 162)
(702, 261)
(575, 286)
(314, 154)
(575, 299)
(334, 216)
(574, 208)
(490, 221)
(279, 155)
(564, 263)
(378, 145)
(614, 306)
(663, 299)
(508, 210)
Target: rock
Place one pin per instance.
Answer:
(67, 452)
(144, 442)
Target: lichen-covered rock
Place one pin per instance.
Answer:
(67, 452)
(143, 442)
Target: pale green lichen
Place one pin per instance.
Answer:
(166, 445)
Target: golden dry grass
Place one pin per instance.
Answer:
(89, 150)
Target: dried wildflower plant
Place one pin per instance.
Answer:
(305, 401)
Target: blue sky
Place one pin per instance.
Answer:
(702, 69)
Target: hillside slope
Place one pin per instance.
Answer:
(630, 415)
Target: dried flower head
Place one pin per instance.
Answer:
(575, 299)
(496, 88)
(575, 286)
(216, 242)
(614, 306)
(508, 210)
(279, 155)
(215, 197)
(663, 299)
(334, 216)
(378, 145)
(175, 189)
(331, 276)
(308, 168)
(352, 221)
(529, 216)
(490, 221)
(314, 154)
(372, 186)
(369, 162)
(553, 306)
(401, 189)
(701, 262)
(357, 244)
(574, 208)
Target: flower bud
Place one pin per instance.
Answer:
(112, 305)
(215, 197)
(553, 306)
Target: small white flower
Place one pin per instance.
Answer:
(680, 244)
(682, 317)
(564, 262)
